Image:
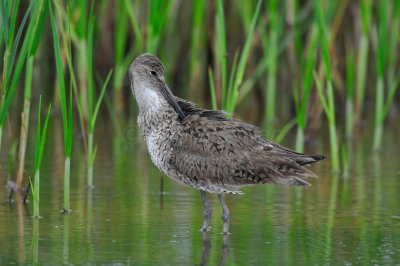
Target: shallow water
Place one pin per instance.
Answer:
(125, 220)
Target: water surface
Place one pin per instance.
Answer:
(126, 221)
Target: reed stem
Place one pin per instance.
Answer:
(300, 139)
(40, 142)
(1, 134)
(83, 78)
(349, 117)
(334, 146)
(36, 192)
(349, 120)
(67, 168)
(365, 8)
(361, 73)
(24, 123)
(90, 160)
(378, 131)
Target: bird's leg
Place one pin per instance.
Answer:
(207, 212)
(225, 214)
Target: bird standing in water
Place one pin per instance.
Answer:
(204, 149)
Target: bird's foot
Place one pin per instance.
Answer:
(205, 229)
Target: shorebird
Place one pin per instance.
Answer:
(205, 149)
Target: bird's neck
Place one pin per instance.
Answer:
(149, 100)
(154, 109)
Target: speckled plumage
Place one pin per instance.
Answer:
(203, 148)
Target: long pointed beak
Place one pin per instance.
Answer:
(166, 92)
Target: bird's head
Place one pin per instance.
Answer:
(148, 83)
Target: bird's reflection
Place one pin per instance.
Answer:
(207, 247)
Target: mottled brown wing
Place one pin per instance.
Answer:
(229, 152)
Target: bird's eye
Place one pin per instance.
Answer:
(153, 73)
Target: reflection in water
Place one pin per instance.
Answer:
(331, 216)
(205, 258)
(89, 223)
(35, 242)
(21, 211)
(225, 249)
(206, 249)
(161, 192)
(65, 238)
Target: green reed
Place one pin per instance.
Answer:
(365, 7)
(229, 85)
(301, 97)
(80, 41)
(393, 41)
(156, 23)
(380, 69)
(134, 33)
(40, 141)
(382, 105)
(125, 16)
(66, 111)
(11, 162)
(349, 119)
(270, 45)
(93, 103)
(37, 18)
(139, 43)
(11, 40)
(197, 47)
(327, 98)
(121, 29)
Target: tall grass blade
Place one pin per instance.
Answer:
(381, 68)
(305, 80)
(349, 93)
(66, 113)
(91, 154)
(212, 90)
(327, 99)
(270, 45)
(156, 23)
(38, 18)
(40, 141)
(229, 84)
(11, 75)
(365, 7)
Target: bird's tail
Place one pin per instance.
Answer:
(308, 159)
